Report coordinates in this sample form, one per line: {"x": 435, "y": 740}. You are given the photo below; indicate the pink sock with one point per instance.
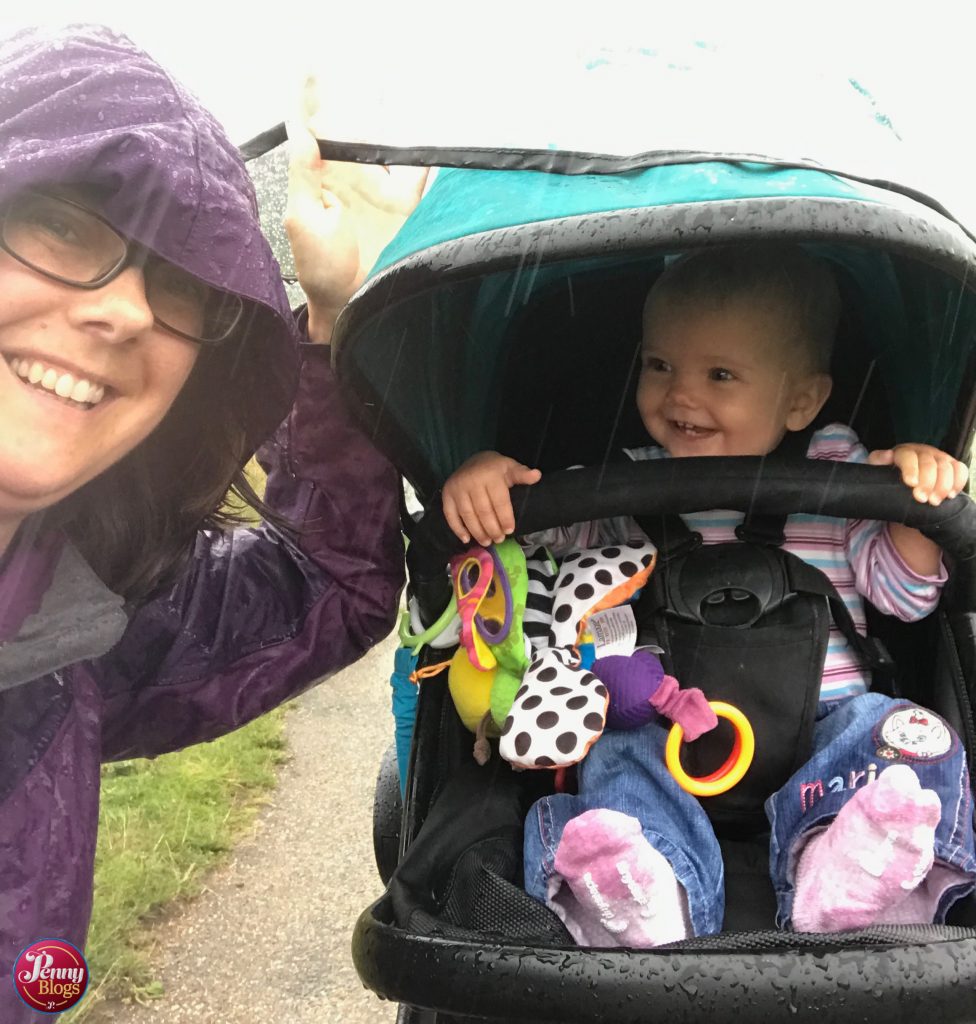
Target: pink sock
{"x": 871, "y": 858}
{"x": 612, "y": 888}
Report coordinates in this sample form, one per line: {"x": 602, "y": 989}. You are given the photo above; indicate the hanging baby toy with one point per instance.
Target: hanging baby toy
{"x": 550, "y": 700}
{"x": 490, "y": 587}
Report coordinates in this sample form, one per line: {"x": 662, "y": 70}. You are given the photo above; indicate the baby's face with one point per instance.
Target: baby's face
{"x": 722, "y": 381}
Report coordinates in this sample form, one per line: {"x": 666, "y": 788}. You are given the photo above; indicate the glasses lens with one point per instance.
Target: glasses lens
{"x": 190, "y": 306}
{"x": 59, "y": 238}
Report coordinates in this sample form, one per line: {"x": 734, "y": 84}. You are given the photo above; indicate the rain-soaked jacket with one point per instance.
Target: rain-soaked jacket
{"x": 255, "y": 618}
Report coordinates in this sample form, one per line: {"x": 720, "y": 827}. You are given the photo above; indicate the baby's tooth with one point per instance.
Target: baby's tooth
{"x": 64, "y": 386}
{"x": 49, "y": 379}
{"x": 96, "y": 394}
{"x": 79, "y": 393}
{"x": 35, "y": 374}
{"x": 22, "y": 368}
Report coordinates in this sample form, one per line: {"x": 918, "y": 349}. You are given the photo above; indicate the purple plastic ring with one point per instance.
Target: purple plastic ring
{"x": 490, "y": 630}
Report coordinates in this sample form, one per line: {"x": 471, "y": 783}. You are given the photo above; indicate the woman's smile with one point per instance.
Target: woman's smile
{"x": 86, "y": 376}
{"x": 49, "y": 380}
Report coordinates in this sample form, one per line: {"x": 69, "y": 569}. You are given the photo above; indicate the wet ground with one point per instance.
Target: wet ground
{"x": 269, "y": 939}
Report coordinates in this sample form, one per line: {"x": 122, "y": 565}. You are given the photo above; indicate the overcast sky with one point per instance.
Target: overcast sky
{"x": 247, "y": 68}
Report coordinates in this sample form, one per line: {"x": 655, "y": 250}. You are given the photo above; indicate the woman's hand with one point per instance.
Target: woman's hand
{"x": 339, "y": 218}
{"x": 932, "y": 474}
{"x": 476, "y": 499}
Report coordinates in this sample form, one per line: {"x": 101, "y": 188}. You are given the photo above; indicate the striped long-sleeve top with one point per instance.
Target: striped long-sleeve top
{"x": 857, "y": 556}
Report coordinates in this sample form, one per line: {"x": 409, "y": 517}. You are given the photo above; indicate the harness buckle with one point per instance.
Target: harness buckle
{"x": 730, "y": 585}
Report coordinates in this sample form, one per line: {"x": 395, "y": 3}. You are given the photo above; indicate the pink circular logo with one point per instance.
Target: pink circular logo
{"x": 51, "y": 975}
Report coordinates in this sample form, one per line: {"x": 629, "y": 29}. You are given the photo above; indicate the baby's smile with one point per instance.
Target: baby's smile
{"x": 691, "y": 430}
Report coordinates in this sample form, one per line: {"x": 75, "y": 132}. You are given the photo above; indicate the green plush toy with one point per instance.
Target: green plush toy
{"x": 510, "y": 652}
{"x": 490, "y": 589}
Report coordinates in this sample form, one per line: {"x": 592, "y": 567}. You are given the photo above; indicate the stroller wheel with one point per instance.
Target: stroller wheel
{"x": 408, "y": 1015}
{"x": 387, "y": 811}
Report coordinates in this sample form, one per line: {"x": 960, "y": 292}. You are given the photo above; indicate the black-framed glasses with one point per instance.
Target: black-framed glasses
{"x": 68, "y": 242}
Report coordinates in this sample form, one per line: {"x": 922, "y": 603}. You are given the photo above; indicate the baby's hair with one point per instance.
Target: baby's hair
{"x": 780, "y": 276}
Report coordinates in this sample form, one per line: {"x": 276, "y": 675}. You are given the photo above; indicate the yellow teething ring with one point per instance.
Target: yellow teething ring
{"x": 735, "y": 766}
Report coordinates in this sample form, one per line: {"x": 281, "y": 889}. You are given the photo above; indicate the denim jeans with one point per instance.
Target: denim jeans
{"x": 625, "y": 771}
{"x": 853, "y": 743}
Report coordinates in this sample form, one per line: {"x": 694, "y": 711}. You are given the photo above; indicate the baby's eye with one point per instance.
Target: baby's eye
{"x": 655, "y": 365}
{"x": 721, "y": 374}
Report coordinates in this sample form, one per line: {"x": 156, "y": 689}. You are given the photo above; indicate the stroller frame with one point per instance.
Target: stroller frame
{"x": 891, "y": 973}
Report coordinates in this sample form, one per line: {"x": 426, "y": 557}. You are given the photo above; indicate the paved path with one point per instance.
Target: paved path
{"x": 269, "y": 939}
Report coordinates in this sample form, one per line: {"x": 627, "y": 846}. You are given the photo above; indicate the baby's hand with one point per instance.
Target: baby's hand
{"x": 476, "y": 499}
{"x": 932, "y": 474}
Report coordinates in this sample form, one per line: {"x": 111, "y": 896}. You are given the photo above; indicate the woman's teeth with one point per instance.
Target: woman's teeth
{"x": 60, "y": 383}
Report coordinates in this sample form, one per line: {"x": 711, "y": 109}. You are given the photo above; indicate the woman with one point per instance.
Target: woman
{"x": 147, "y": 349}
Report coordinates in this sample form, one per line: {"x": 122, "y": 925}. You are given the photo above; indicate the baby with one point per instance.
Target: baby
{"x": 735, "y": 355}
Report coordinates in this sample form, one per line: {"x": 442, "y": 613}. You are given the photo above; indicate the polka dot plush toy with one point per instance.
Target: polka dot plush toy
{"x": 560, "y": 710}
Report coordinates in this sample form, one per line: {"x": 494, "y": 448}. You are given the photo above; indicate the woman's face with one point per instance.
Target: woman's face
{"x": 85, "y": 376}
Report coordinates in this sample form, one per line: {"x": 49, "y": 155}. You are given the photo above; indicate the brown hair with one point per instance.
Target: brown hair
{"x": 137, "y": 522}
{"x": 780, "y": 276}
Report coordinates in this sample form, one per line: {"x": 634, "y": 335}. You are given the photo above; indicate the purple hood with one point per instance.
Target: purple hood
{"x": 85, "y": 105}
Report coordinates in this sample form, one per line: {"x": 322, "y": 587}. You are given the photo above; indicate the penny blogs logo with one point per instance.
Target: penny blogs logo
{"x": 51, "y": 975}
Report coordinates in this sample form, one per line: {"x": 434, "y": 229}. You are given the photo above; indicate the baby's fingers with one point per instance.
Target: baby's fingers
{"x": 951, "y": 477}
{"x": 961, "y": 477}
{"x": 501, "y": 503}
{"x": 492, "y": 506}
{"x": 453, "y": 517}
{"x": 929, "y": 477}
{"x": 473, "y": 511}
{"x": 937, "y": 476}
{"x": 907, "y": 460}
{"x": 881, "y": 457}
{"x": 945, "y": 479}
{"x": 519, "y": 474}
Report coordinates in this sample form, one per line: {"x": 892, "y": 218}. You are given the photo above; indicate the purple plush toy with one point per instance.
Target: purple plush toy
{"x": 640, "y": 689}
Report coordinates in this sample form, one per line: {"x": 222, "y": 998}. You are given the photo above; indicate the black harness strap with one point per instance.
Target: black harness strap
{"x": 673, "y": 538}
{"x": 806, "y": 578}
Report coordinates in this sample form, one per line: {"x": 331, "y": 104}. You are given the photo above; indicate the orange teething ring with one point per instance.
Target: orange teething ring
{"x": 735, "y": 766}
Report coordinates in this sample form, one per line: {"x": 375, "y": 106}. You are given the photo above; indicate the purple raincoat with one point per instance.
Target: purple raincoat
{"x": 255, "y": 618}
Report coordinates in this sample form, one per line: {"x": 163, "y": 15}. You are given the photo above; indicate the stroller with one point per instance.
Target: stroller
{"x": 506, "y": 315}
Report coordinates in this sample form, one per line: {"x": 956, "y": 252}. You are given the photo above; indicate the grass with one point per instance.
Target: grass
{"x": 163, "y": 824}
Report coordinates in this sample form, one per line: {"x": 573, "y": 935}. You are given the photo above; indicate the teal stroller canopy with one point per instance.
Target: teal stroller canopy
{"x": 530, "y": 262}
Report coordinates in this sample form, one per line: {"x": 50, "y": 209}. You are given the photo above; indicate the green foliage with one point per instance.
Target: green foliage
{"x": 163, "y": 824}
